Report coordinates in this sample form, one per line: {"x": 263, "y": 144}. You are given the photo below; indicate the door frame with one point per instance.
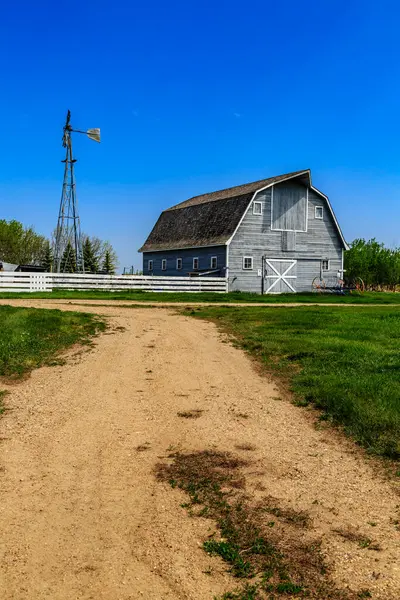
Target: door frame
{"x": 277, "y": 276}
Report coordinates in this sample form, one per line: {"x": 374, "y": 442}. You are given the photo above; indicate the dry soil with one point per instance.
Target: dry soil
{"x": 81, "y": 513}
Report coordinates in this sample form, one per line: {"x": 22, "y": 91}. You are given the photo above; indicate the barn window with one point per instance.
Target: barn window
{"x": 247, "y": 262}
{"x": 150, "y": 265}
{"x": 195, "y": 264}
{"x": 319, "y": 212}
{"x": 164, "y": 264}
{"x": 257, "y": 208}
{"x": 289, "y": 208}
{"x": 179, "y": 264}
{"x": 325, "y": 265}
{"x": 213, "y": 262}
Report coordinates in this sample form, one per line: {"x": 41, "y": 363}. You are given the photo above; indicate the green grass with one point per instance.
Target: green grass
{"x": 343, "y": 360}
{"x": 138, "y": 295}
{"x": 30, "y": 338}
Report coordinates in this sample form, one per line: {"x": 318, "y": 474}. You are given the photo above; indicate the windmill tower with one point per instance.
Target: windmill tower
{"x": 68, "y": 255}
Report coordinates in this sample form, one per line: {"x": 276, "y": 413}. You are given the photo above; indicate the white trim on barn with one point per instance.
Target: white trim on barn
{"x": 261, "y": 189}
{"x": 321, "y": 214}
{"x": 280, "y": 276}
{"x": 314, "y": 189}
{"x": 244, "y": 263}
{"x": 260, "y": 204}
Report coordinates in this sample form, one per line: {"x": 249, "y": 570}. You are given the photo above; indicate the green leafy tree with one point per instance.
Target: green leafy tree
{"x": 89, "y": 257}
{"x": 21, "y": 245}
{"x": 99, "y": 249}
{"x": 68, "y": 261}
{"x": 109, "y": 265}
{"x": 378, "y": 266}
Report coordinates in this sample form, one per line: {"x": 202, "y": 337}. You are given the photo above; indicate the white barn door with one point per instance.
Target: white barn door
{"x": 280, "y": 275}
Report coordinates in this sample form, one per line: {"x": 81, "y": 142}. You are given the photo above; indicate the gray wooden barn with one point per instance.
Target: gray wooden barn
{"x": 271, "y": 236}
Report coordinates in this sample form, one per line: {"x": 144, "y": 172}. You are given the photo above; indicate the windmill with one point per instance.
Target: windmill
{"x": 68, "y": 255}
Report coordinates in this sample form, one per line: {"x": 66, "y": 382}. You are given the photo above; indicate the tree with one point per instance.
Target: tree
{"x": 89, "y": 258}
{"x": 109, "y": 265}
{"x": 68, "y": 262}
{"x": 48, "y": 258}
{"x": 99, "y": 249}
{"x": 378, "y": 267}
{"x": 21, "y": 245}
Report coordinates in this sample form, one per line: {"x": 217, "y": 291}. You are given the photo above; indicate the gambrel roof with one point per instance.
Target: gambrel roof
{"x": 212, "y": 219}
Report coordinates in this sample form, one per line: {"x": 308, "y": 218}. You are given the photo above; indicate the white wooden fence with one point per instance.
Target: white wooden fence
{"x": 46, "y": 282}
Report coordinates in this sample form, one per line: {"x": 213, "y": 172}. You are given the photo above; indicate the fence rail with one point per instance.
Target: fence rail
{"x": 46, "y": 282}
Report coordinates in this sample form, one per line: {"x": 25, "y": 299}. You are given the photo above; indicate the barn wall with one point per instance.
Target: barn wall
{"x": 203, "y": 254}
{"x": 256, "y": 238}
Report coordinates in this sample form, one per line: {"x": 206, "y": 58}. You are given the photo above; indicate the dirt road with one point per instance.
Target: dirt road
{"x": 81, "y": 514}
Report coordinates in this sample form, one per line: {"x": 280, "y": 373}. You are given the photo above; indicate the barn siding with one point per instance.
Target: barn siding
{"x": 203, "y": 254}
{"x": 255, "y": 237}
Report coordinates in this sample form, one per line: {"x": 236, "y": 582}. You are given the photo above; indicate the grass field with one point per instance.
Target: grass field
{"x": 30, "y": 338}
{"x": 232, "y": 297}
{"x": 343, "y": 360}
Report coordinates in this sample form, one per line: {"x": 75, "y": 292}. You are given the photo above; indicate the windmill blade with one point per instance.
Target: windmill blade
{"x": 94, "y": 134}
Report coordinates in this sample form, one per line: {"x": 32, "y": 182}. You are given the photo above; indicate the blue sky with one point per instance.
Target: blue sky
{"x": 197, "y": 95}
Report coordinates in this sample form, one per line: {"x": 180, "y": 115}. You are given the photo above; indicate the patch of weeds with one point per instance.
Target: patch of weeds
{"x": 286, "y": 587}
{"x": 364, "y": 594}
{"x": 249, "y": 592}
{"x": 271, "y": 561}
{"x": 297, "y": 518}
{"x": 195, "y": 413}
{"x": 230, "y": 553}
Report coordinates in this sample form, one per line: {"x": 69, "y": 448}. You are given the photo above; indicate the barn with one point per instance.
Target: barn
{"x": 270, "y": 236}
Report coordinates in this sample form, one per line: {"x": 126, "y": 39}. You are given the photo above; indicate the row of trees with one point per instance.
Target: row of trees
{"x": 23, "y": 246}
{"x": 378, "y": 266}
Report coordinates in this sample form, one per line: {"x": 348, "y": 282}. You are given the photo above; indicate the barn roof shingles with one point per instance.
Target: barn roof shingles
{"x": 208, "y": 219}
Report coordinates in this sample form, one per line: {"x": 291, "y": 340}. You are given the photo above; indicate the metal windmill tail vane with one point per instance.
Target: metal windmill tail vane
{"x": 68, "y": 253}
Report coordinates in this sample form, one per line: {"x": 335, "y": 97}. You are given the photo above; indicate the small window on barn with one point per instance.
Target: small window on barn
{"x": 319, "y": 212}
{"x": 164, "y": 264}
{"x": 325, "y": 265}
{"x": 195, "y": 264}
{"x": 257, "y": 208}
{"x": 214, "y": 262}
{"x": 247, "y": 262}
{"x": 150, "y": 265}
{"x": 179, "y": 264}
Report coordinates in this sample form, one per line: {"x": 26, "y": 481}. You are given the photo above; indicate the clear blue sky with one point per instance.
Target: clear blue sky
{"x": 197, "y": 95}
